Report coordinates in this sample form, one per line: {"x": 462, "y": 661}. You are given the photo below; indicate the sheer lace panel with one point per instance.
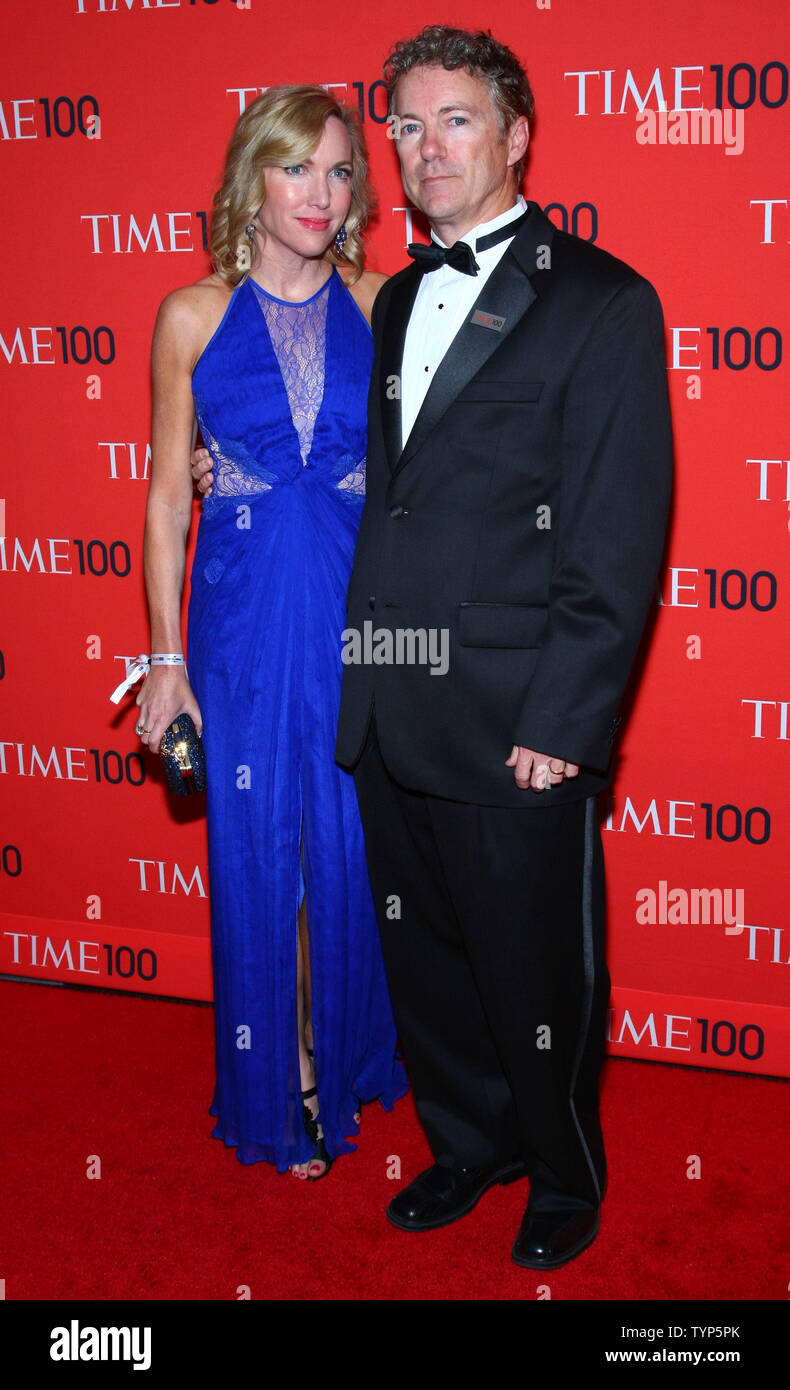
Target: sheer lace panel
{"x": 230, "y": 477}
{"x": 351, "y": 475}
{"x": 298, "y": 334}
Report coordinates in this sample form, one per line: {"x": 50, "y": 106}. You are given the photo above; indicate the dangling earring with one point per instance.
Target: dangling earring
{"x": 250, "y": 230}
{"x": 340, "y": 240}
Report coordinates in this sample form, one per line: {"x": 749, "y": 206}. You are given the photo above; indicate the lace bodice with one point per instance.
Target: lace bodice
{"x": 260, "y": 385}
{"x": 298, "y": 334}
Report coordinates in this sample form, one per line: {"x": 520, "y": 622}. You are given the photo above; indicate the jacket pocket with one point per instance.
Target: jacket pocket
{"x": 501, "y": 624}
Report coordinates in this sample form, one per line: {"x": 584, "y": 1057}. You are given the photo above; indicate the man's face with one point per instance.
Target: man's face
{"x": 455, "y": 162}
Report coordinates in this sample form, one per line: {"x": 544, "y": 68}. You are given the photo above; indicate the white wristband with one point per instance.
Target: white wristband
{"x": 139, "y": 666}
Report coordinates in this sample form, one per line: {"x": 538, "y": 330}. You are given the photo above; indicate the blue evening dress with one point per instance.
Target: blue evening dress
{"x": 280, "y": 395}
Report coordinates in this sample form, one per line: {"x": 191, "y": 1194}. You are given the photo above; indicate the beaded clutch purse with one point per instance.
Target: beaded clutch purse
{"x": 184, "y": 757}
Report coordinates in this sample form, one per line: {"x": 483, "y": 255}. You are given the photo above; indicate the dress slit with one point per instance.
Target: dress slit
{"x": 309, "y": 962}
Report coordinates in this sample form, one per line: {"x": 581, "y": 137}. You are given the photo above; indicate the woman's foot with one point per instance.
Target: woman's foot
{"x": 317, "y": 1166}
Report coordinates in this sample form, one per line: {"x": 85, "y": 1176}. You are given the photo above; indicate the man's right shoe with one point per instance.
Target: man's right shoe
{"x": 546, "y": 1242}
{"x": 441, "y": 1195}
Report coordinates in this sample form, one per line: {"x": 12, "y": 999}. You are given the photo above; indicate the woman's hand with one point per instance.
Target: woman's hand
{"x": 164, "y": 694}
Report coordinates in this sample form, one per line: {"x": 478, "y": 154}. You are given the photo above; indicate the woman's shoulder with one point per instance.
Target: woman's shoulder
{"x": 365, "y": 289}
{"x": 192, "y": 305}
{"x": 188, "y": 316}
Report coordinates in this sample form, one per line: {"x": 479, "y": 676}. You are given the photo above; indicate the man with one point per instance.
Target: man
{"x": 518, "y": 481}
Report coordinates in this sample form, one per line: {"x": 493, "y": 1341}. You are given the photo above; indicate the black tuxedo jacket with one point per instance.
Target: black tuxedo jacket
{"x": 525, "y": 516}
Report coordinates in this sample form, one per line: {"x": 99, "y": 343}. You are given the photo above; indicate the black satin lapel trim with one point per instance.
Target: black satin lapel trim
{"x": 393, "y": 338}
{"x": 507, "y": 292}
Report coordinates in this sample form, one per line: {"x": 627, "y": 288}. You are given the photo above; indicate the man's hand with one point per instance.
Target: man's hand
{"x": 539, "y": 770}
{"x": 201, "y": 463}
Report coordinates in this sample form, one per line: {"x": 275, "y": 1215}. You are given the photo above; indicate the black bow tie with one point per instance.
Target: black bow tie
{"x": 460, "y": 255}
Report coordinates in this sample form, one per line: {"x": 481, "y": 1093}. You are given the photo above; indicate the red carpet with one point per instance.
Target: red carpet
{"x": 175, "y": 1216}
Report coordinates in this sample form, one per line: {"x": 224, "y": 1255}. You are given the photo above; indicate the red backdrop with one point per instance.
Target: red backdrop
{"x": 103, "y": 875}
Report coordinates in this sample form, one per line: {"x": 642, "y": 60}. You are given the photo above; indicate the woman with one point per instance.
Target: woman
{"x": 272, "y": 355}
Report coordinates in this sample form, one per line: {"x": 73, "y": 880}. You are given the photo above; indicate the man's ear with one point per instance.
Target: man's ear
{"x": 518, "y": 139}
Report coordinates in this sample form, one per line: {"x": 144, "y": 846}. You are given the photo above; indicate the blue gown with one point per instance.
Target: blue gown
{"x": 280, "y": 395}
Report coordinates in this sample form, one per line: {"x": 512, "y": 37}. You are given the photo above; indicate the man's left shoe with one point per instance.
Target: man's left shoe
{"x": 441, "y": 1195}
{"x": 546, "y": 1242}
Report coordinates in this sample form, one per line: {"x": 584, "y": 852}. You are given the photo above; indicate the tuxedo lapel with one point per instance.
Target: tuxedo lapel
{"x": 508, "y": 293}
{"x": 393, "y": 339}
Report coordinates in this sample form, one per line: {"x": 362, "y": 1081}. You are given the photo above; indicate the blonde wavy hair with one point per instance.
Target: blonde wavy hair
{"x": 283, "y": 127}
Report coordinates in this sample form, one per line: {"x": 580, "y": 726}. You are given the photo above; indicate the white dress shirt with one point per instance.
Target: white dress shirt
{"x": 443, "y": 302}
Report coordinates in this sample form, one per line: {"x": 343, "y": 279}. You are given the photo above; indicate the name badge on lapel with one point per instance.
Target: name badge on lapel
{"x": 495, "y": 321}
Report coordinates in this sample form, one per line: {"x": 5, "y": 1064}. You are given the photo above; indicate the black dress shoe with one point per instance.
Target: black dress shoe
{"x": 441, "y": 1195}
{"x": 546, "y": 1242}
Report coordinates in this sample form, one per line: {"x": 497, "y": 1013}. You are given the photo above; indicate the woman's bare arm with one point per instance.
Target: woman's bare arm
{"x": 177, "y": 339}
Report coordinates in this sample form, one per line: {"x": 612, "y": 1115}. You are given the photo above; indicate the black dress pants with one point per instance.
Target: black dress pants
{"x": 492, "y": 924}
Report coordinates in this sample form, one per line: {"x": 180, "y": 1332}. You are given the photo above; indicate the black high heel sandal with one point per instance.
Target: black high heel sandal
{"x": 311, "y": 1093}
{"x": 311, "y": 1126}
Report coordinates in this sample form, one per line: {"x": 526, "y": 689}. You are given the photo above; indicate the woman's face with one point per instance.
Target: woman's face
{"x": 306, "y": 204}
